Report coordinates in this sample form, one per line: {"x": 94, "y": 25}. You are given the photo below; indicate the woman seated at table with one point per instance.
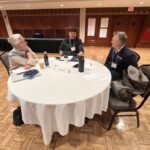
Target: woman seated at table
{"x": 21, "y": 54}
{"x": 71, "y": 45}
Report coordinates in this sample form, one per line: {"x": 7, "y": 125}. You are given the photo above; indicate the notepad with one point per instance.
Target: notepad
{"x": 25, "y": 75}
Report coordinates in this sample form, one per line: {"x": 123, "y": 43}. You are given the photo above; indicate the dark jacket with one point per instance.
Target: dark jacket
{"x": 67, "y": 44}
{"x": 123, "y": 59}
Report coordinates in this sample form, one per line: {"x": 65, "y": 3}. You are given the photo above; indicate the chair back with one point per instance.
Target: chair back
{"x": 146, "y": 70}
{"x": 145, "y": 96}
{"x": 136, "y": 55}
{"x": 5, "y": 60}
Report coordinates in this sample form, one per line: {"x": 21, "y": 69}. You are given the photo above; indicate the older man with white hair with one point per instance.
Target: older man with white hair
{"x": 21, "y": 54}
{"x": 120, "y": 56}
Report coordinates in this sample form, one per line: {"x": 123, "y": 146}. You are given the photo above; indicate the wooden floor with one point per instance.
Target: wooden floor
{"x": 92, "y": 136}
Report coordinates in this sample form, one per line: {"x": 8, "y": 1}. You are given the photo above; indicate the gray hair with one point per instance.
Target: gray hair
{"x": 122, "y": 36}
{"x": 15, "y": 39}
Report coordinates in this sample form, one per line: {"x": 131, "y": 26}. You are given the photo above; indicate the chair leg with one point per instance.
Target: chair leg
{"x": 53, "y": 142}
{"x": 137, "y": 116}
{"x": 86, "y": 120}
{"x": 112, "y": 120}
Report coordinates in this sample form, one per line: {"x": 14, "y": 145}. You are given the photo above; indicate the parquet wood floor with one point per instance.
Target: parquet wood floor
{"x": 92, "y": 136}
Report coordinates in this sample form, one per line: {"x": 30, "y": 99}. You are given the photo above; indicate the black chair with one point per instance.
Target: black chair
{"x": 146, "y": 70}
{"x": 5, "y": 60}
{"x": 137, "y": 55}
{"x": 118, "y": 106}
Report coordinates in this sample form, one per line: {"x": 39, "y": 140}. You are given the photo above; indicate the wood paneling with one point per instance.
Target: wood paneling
{"x": 52, "y": 23}
{"x": 96, "y": 40}
{"x": 130, "y": 24}
{"x": 3, "y": 31}
{"x": 118, "y": 11}
{"x": 137, "y": 28}
{"x": 44, "y": 12}
{"x": 58, "y": 24}
{"x": 144, "y": 35}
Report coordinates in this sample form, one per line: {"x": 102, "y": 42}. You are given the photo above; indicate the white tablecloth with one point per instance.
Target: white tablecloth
{"x": 62, "y": 96}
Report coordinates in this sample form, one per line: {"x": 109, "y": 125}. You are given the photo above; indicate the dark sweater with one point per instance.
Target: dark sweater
{"x": 123, "y": 59}
{"x": 67, "y": 44}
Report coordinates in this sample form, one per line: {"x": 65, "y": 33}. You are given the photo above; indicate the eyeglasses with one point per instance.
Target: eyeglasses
{"x": 23, "y": 42}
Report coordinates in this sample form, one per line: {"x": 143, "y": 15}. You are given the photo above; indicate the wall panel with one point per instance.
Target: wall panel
{"x": 52, "y": 23}
{"x": 136, "y": 24}
{"x": 144, "y": 35}
{"x": 3, "y": 31}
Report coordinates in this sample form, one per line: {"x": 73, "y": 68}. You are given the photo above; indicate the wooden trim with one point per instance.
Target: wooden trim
{"x": 43, "y": 12}
{"x": 143, "y": 44}
{"x": 118, "y": 11}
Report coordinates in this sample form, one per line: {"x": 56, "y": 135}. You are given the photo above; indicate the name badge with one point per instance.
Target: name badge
{"x": 113, "y": 65}
{"x": 73, "y": 48}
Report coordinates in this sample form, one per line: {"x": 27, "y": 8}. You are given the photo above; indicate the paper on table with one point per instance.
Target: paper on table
{"x": 69, "y": 58}
{"x": 20, "y": 76}
{"x": 21, "y": 70}
{"x": 18, "y": 73}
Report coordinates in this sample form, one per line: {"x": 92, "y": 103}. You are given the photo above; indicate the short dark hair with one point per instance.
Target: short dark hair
{"x": 72, "y": 30}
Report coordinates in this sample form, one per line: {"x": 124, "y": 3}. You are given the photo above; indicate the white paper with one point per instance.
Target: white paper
{"x": 21, "y": 70}
{"x": 91, "y": 27}
{"x": 18, "y": 77}
{"x": 69, "y": 58}
{"x": 104, "y": 22}
{"x": 103, "y": 33}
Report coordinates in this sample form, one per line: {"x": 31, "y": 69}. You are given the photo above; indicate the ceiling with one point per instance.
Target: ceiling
{"x": 53, "y": 4}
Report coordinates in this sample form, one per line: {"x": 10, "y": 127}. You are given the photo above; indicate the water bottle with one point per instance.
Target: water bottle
{"x": 46, "y": 61}
{"x": 81, "y": 63}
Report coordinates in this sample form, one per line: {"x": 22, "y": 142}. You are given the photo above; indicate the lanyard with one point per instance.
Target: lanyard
{"x": 113, "y": 55}
{"x": 71, "y": 45}
{"x": 117, "y": 54}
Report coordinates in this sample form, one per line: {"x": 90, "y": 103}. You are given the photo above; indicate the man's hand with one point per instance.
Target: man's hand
{"x": 27, "y": 67}
{"x": 29, "y": 55}
{"x": 81, "y": 53}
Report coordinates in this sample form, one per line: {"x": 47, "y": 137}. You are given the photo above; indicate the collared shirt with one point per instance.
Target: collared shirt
{"x": 16, "y": 52}
{"x": 19, "y": 58}
{"x": 123, "y": 59}
{"x": 118, "y": 50}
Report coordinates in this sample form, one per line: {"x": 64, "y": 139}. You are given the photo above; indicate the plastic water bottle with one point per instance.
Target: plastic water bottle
{"x": 46, "y": 61}
{"x": 81, "y": 63}
{"x": 66, "y": 64}
{"x": 65, "y": 58}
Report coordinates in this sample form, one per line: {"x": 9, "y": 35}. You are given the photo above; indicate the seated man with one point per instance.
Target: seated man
{"x": 120, "y": 56}
{"x": 21, "y": 54}
{"x": 71, "y": 45}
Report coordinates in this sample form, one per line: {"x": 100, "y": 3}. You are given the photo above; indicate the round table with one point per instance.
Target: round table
{"x": 61, "y": 95}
